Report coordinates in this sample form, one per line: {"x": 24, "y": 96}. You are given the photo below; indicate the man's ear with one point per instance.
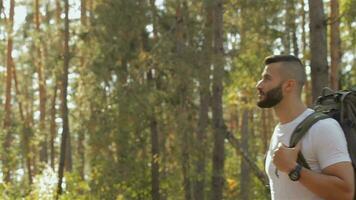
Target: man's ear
{"x": 289, "y": 85}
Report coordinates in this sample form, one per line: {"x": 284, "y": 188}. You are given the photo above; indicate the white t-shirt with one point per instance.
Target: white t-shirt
{"x": 323, "y": 145}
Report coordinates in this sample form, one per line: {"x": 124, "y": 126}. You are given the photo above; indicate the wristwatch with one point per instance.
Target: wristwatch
{"x": 294, "y": 175}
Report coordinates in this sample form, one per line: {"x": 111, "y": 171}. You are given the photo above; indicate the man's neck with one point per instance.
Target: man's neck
{"x": 287, "y": 111}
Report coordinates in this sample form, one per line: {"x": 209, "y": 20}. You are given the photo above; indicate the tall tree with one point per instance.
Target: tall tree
{"x": 335, "y": 44}
{"x": 293, "y": 25}
{"x": 182, "y": 87}
{"x": 318, "y": 47}
{"x": 204, "y": 96}
{"x": 217, "y": 109}
{"x": 245, "y": 172}
{"x": 53, "y": 125}
{"x": 26, "y": 129}
{"x": 287, "y": 26}
{"x": 303, "y": 23}
{"x": 290, "y": 36}
{"x": 56, "y": 88}
{"x": 7, "y": 118}
{"x": 303, "y": 13}
{"x": 42, "y": 86}
{"x": 155, "y": 151}
{"x": 65, "y": 142}
{"x": 155, "y": 159}
{"x": 83, "y": 61}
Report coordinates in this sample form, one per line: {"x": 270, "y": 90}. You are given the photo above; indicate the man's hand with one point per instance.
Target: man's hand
{"x": 284, "y": 158}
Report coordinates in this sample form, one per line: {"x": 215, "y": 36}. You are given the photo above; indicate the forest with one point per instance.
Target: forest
{"x": 154, "y": 99}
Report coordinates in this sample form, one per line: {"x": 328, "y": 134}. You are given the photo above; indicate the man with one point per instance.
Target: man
{"x": 324, "y": 146}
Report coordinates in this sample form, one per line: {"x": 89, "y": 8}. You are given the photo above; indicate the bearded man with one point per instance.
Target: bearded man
{"x": 324, "y": 146}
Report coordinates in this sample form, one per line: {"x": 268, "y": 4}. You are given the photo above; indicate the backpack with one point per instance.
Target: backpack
{"x": 339, "y": 105}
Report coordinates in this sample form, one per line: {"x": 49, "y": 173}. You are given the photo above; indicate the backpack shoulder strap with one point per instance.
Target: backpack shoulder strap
{"x": 301, "y": 130}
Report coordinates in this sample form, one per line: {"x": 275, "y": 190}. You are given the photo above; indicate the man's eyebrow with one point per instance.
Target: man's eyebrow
{"x": 266, "y": 75}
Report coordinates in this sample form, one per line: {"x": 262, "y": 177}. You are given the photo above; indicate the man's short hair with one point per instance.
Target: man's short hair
{"x": 282, "y": 58}
{"x": 292, "y": 67}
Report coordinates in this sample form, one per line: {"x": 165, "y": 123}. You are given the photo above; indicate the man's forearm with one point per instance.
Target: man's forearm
{"x": 326, "y": 186}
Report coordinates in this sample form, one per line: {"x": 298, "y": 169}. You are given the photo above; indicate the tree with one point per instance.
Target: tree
{"x": 26, "y": 129}
{"x": 155, "y": 160}
{"x": 53, "y": 126}
{"x": 83, "y": 64}
{"x": 8, "y": 117}
{"x": 318, "y": 47}
{"x": 56, "y": 87}
{"x": 204, "y": 100}
{"x": 217, "y": 109}
{"x": 308, "y": 94}
{"x": 42, "y": 86}
{"x": 183, "y": 88}
{"x": 245, "y": 172}
{"x": 65, "y": 141}
{"x": 149, "y": 83}
{"x": 155, "y": 150}
{"x": 335, "y": 44}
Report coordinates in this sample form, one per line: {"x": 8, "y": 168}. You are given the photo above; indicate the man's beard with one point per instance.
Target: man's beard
{"x": 271, "y": 98}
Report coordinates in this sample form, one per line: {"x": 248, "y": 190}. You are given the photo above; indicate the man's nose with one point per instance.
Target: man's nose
{"x": 258, "y": 85}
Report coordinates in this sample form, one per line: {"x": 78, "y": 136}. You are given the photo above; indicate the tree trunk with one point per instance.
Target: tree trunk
{"x": 68, "y": 162}
{"x": 204, "y": 96}
{"x": 290, "y": 27}
{"x": 183, "y": 111}
{"x": 155, "y": 152}
{"x": 64, "y": 108}
{"x": 81, "y": 134}
{"x": 83, "y": 12}
{"x": 304, "y": 37}
{"x": 335, "y": 44}
{"x": 245, "y": 172}
{"x": 7, "y": 120}
{"x": 293, "y": 26}
{"x": 308, "y": 98}
{"x": 318, "y": 47}
{"x": 58, "y": 12}
{"x": 122, "y": 139}
{"x": 53, "y": 126}
{"x": 91, "y": 9}
{"x": 1, "y": 7}
{"x": 26, "y": 130}
{"x": 217, "y": 109}
{"x": 287, "y": 27}
{"x": 154, "y": 19}
{"x": 155, "y": 160}
{"x": 42, "y": 87}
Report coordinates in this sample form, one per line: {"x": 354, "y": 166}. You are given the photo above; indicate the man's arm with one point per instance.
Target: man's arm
{"x": 335, "y": 181}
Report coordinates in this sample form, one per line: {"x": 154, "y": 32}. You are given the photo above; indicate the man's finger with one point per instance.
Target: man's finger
{"x": 280, "y": 144}
{"x": 298, "y": 147}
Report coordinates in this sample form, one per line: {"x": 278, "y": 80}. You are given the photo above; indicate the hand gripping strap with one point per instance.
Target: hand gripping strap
{"x": 301, "y": 130}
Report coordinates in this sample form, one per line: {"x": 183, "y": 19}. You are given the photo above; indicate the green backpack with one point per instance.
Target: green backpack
{"x": 339, "y": 105}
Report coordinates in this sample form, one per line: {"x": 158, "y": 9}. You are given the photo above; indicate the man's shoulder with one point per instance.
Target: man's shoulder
{"x": 325, "y": 126}
{"x": 328, "y": 122}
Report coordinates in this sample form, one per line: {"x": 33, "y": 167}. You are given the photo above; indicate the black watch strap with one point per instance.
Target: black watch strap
{"x": 294, "y": 175}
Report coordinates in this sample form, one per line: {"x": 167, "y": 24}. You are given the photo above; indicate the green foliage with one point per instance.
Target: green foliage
{"x": 348, "y": 34}
{"x": 133, "y": 63}
{"x": 44, "y": 185}
{"x": 348, "y": 11}
{"x": 76, "y": 188}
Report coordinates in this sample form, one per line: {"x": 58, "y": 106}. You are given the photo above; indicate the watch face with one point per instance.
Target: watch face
{"x": 294, "y": 176}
